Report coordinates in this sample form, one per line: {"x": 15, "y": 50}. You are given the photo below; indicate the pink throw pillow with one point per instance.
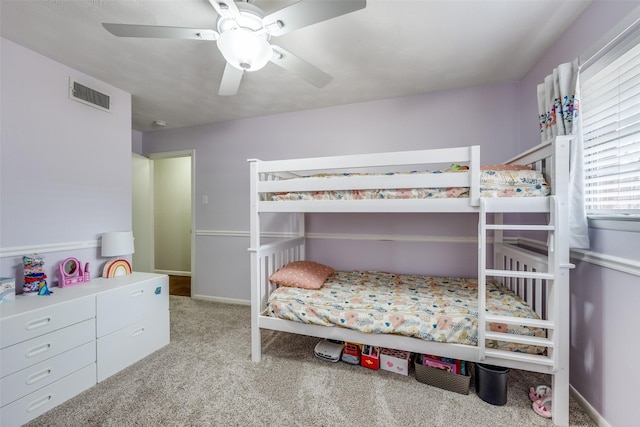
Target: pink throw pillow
{"x": 302, "y": 274}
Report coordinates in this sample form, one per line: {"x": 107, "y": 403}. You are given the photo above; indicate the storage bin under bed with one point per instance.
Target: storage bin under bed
{"x": 443, "y": 379}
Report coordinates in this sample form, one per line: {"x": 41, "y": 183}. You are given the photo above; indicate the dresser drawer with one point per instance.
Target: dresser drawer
{"x": 39, "y": 402}
{"x": 129, "y": 304}
{"x": 28, "y": 380}
{"x": 36, "y": 350}
{"x": 33, "y": 323}
{"x": 120, "y": 349}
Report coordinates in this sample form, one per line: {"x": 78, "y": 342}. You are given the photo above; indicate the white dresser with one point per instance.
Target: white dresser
{"x": 54, "y": 347}
{"x": 132, "y": 321}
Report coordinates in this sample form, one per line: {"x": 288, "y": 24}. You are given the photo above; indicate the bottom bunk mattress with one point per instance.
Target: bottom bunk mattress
{"x": 442, "y": 309}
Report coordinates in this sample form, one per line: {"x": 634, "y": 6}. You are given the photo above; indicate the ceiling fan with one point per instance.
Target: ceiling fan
{"x": 243, "y": 33}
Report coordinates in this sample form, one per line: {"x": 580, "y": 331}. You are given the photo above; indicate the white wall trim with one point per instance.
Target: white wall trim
{"x": 341, "y": 236}
{"x": 624, "y": 265}
{"x": 229, "y": 233}
{"x": 590, "y": 410}
{"x": 222, "y": 300}
{"x": 611, "y": 262}
{"x": 394, "y": 238}
{"x": 618, "y": 224}
{"x": 41, "y": 249}
{"x": 172, "y": 154}
{"x": 222, "y": 233}
{"x": 536, "y": 244}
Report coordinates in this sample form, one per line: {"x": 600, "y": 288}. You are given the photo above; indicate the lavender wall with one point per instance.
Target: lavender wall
{"x": 65, "y": 166}
{"x": 96, "y": 170}
{"x": 501, "y": 118}
{"x": 481, "y": 115}
{"x": 603, "y": 311}
{"x": 136, "y": 142}
{"x": 451, "y": 250}
{"x": 56, "y": 152}
{"x": 588, "y": 30}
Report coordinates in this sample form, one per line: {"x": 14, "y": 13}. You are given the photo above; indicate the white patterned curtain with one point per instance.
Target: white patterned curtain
{"x": 558, "y": 112}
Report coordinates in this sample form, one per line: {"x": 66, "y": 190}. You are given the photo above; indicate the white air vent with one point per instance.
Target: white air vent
{"x": 86, "y": 95}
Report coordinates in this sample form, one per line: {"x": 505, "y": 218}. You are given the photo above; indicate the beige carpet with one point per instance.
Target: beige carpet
{"x": 205, "y": 377}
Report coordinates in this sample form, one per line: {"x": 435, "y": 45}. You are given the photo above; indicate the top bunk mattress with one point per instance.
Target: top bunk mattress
{"x": 441, "y": 309}
{"x": 495, "y": 181}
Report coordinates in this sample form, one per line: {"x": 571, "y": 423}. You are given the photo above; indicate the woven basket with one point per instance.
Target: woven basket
{"x": 442, "y": 379}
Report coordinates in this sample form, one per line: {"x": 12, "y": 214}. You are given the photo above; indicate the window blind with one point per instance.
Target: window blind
{"x": 610, "y": 104}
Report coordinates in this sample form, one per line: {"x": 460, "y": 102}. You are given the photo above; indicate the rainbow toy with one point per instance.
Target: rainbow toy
{"x": 117, "y": 267}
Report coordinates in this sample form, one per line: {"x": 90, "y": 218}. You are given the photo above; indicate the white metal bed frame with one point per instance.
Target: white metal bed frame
{"x": 541, "y": 279}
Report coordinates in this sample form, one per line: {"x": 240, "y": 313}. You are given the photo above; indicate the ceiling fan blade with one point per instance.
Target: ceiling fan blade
{"x": 226, "y": 8}
{"x": 230, "y": 80}
{"x": 306, "y": 13}
{"x": 152, "y": 31}
{"x": 300, "y": 67}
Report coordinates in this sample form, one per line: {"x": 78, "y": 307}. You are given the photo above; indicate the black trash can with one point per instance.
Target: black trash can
{"x": 491, "y": 383}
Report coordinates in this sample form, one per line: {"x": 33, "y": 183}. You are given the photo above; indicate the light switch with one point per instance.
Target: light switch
{"x": 205, "y": 200}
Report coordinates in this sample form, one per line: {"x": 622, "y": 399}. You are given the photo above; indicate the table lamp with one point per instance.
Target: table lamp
{"x": 117, "y": 244}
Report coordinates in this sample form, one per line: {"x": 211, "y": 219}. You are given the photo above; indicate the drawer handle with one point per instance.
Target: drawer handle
{"x": 40, "y": 402}
{"x": 34, "y": 378}
{"x": 34, "y": 351}
{"x": 38, "y": 323}
{"x": 136, "y": 293}
{"x": 137, "y": 332}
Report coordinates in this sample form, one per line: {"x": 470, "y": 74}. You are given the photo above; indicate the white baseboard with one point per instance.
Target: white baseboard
{"x": 590, "y": 410}
{"x": 222, "y": 300}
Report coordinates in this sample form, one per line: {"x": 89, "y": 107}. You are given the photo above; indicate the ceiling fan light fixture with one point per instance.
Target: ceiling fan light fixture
{"x": 245, "y": 49}
{"x": 276, "y": 25}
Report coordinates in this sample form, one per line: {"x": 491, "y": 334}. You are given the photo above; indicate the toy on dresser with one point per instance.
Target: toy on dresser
{"x": 35, "y": 280}
{"x": 71, "y": 272}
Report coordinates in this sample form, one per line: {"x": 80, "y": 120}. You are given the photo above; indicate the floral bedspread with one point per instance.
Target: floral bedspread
{"x": 443, "y": 309}
{"x": 493, "y": 183}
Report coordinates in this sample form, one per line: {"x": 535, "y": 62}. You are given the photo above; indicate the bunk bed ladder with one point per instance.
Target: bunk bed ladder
{"x": 554, "y": 274}
{"x": 519, "y": 277}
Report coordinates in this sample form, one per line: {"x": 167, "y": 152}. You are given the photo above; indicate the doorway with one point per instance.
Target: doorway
{"x": 163, "y": 214}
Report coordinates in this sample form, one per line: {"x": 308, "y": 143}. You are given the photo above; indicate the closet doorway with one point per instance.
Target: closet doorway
{"x": 163, "y": 216}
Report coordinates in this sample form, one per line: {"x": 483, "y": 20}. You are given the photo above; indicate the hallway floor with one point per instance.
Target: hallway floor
{"x": 180, "y": 286}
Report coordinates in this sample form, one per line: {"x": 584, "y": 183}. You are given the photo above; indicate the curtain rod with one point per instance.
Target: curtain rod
{"x": 611, "y": 39}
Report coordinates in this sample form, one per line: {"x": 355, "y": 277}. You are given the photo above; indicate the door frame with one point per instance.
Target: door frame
{"x": 192, "y": 155}
{"x": 150, "y": 247}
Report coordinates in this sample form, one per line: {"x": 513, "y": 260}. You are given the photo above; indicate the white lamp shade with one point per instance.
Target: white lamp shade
{"x": 117, "y": 243}
{"x": 244, "y": 49}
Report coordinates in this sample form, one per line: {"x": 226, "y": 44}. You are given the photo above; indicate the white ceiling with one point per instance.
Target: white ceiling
{"x": 391, "y": 48}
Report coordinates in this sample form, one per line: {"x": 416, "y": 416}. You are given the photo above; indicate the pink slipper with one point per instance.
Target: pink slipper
{"x": 539, "y": 392}
{"x": 542, "y": 407}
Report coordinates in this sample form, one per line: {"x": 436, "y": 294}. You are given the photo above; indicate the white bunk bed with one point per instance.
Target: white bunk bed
{"x": 539, "y": 277}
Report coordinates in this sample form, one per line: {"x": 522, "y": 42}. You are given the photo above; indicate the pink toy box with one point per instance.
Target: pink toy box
{"x": 395, "y": 361}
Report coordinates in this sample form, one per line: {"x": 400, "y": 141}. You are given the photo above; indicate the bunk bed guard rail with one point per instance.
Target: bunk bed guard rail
{"x": 281, "y": 176}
